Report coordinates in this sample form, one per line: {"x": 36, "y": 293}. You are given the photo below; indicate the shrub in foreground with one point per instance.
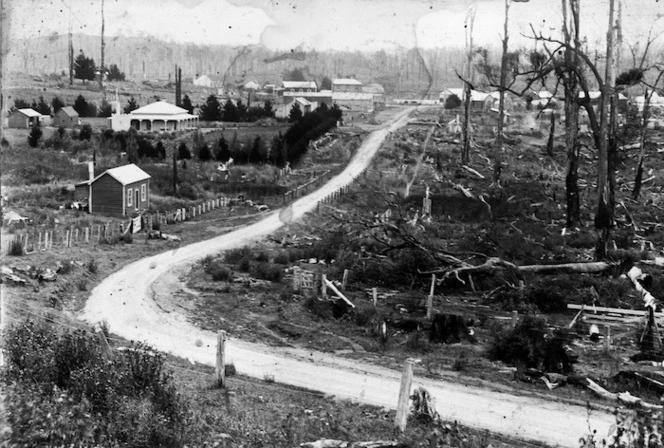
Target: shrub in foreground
{"x": 62, "y": 391}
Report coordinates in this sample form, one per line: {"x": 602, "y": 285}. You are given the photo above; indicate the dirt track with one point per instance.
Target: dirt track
{"x": 125, "y": 301}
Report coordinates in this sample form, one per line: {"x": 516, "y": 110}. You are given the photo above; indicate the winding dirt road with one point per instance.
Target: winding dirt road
{"x": 125, "y": 301}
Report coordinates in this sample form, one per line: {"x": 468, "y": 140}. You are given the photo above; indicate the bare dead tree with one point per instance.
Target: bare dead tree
{"x": 467, "y": 86}
{"x": 570, "y": 85}
{"x": 636, "y": 191}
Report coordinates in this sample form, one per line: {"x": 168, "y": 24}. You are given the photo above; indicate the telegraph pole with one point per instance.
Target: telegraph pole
{"x": 71, "y": 56}
{"x": 101, "y": 69}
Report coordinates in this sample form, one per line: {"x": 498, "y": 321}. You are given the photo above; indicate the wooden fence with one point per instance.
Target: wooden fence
{"x": 42, "y": 239}
{"x": 39, "y": 239}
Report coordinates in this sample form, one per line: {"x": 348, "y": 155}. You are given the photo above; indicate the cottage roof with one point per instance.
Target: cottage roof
{"x": 252, "y": 85}
{"x": 347, "y": 96}
{"x": 303, "y": 101}
{"x": 126, "y": 174}
{"x": 595, "y": 94}
{"x": 346, "y": 82}
{"x": 299, "y": 85}
{"x": 28, "y": 112}
{"x": 69, "y": 111}
{"x": 319, "y": 94}
{"x": 458, "y": 92}
{"x": 159, "y": 108}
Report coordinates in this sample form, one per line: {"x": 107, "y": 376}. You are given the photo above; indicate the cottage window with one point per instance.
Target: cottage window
{"x": 129, "y": 197}
{"x": 143, "y": 192}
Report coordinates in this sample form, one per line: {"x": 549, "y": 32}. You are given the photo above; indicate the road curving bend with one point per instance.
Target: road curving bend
{"x": 125, "y": 301}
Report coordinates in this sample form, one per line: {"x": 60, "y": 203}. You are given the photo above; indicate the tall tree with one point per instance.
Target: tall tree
{"x": 604, "y": 213}
{"x": 57, "y": 104}
{"x": 114, "y": 73}
{"x": 211, "y": 110}
{"x": 295, "y": 113}
{"x": 223, "y": 153}
{"x": 132, "y": 146}
{"x": 42, "y": 106}
{"x": 186, "y": 104}
{"x": 84, "y": 67}
{"x": 230, "y": 112}
{"x": 567, "y": 74}
{"x": 326, "y": 83}
{"x": 131, "y": 105}
{"x": 467, "y": 86}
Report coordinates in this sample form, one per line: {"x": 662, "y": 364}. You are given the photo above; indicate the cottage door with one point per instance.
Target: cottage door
{"x": 136, "y": 203}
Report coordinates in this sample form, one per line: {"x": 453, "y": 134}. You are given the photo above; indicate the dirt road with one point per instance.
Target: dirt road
{"x": 125, "y": 301}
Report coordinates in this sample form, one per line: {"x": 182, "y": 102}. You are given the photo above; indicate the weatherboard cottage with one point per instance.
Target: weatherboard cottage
{"x": 119, "y": 191}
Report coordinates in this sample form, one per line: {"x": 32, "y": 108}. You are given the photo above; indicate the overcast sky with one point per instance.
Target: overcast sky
{"x": 366, "y": 25}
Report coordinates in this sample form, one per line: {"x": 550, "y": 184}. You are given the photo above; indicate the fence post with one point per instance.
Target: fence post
{"x": 76, "y": 237}
{"x": 430, "y": 298}
{"x": 404, "y": 395}
{"x": 344, "y": 280}
{"x": 607, "y": 338}
{"x": 374, "y": 292}
{"x": 515, "y": 317}
{"x": 323, "y": 288}
{"x": 221, "y": 365}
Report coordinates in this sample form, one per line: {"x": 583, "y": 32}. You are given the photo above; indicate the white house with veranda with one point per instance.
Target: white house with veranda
{"x": 155, "y": 117}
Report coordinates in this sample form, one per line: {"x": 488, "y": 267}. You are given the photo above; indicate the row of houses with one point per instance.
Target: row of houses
{"x": 351, "y": 95}
{"x": 66, "y": 117}
{"x": 541, "y": 99}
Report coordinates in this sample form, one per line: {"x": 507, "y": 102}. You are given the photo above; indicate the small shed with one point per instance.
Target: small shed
{"x": 119, "y": 191}
{"x": 24, "y": 118}
{"x": 66, "y": 117}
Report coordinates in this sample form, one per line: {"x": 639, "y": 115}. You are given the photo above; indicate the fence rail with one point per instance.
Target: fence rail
{"x": 43, "y": 239}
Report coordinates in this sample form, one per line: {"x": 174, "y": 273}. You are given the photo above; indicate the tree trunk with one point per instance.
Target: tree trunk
{"x": 552, "y": 131}
{"x": 498, "y": 155}
{"x": 465, "y": 152}
{"x": 570, "y": 85}
{"x": 604, "y": 214}
{"x": 642, "y": 141}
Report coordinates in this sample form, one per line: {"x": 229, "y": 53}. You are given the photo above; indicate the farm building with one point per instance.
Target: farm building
{"x": 157, "y": 116}
{"x": 478, "y": 100}
{"x": 119, "y": 191}
{"x": 346, "y": 85}
{"x": 67, "y": 117}
{"x": 324, "y": 96}
{"x": 284, "y": 110}
{"x": 356, "y": 102}
{"x": 24, "y": 118}
{"x": 203, "y": 81}
{"x": 298, "y": 87}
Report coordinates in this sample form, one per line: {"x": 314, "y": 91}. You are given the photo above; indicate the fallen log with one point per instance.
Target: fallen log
{"x": 494, "y": 264}
{"x": 466, "y": 192}
{"x": 623, "y": 397}
{"x": 602, "y": 309}
{"x": 338, "y": 293}
{"x": 473, "y": 171}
